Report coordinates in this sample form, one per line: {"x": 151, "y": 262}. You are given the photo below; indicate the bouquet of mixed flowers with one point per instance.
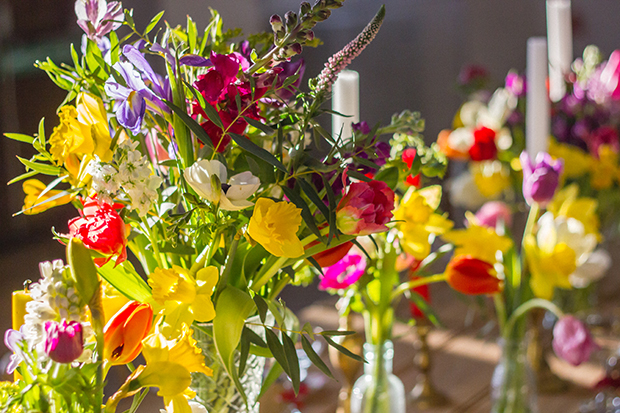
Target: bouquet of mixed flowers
{"x": 199, "y": 155}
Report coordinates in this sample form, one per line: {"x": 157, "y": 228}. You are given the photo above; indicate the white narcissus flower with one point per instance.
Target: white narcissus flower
{"x": 570, "y": 231}
{"x": 209, "y": 180}
{"x": 592, "y": 270}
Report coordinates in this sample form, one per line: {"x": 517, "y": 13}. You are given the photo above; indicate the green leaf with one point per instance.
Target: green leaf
{"x": 256, "y": 150}
{"x": 20, "y": 137}
{"x": 129, "y": 17}
{"x": 332, "y": 333}
{"x": 266, "y": 129}
{"x": 358, "y": 176}
{"x": 233, "y": 308}
{"x": 213, "y": 115}
{"x": 314, "y": 358}
{"x": 42, "y": 132}
{"x": 192, "y": 34}
{"x": 389, "y": 176}
{"x": 41, "y": 168}
{"x": 343, "y": 350}
{"x": 244, "y": 350}
{"x": 82, "y": 269}
{"x": 273, "y": 307}
{"x": 22, "y": 176}
{"x": 314, "y": 197}
{"x": 191, "y": 123}
{"x": 426, "y": 309}
{"x": 125, "y": 279}
{"x": 262, "y": 307}
{"x": 180, "y": 249}
{"x": 277, "y": 349}
{"x": 153, "y": 22}
{"x": 293, "y": 361}
{"x": 254, "y": 338}
{"x": 305, "y": 211}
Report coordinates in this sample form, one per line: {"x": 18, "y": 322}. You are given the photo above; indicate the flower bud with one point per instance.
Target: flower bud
{"x": 296, "y": 49}
{"x": 471, "y": 276}
{"x": 323, "y": 15}
{"x": 305, "y": 8}
{"x": 572, "y": 340}
{"x": 276, "y": 23}
{"x": 540, "y": 180}
{"x": 63, "y": 341}
{"x": 306, "y": 36}
{"x": 365, "y": 208}
{"x": 290, "y": 19}
{"x": 333, "y": 4}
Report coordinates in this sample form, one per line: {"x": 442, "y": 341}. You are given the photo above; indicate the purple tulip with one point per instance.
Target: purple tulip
{"x": 63, "y": 341}
{"x": 98, "y": 17}
{"x": 572, "y": 340}
{"x": 540, "y": 180}
{"x": 494, "y": 212}
{"x": 344, "y": 273}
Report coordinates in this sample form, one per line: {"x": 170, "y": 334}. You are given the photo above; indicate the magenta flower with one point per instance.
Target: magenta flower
{"x": 494, "y": 212}
{"x": 515, "y": 83}
{"x": 64, "y": 341}
{"x": 572, "y": 340}
{"x": 604, "y": 135}
{"x": 540, "y": 180}
{"x": 13, "y": 340}
{"x": 344, "y": 273}
{"x": 98, "y": 17}
{"x": 365, "y": 208}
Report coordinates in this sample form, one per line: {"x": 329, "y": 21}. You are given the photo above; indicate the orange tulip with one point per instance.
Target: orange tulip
{"x": 444, "y": 146}
{"x": 124, "y": 333}
{"x": 472, "y": 276}
{"x": 331, "y": 256}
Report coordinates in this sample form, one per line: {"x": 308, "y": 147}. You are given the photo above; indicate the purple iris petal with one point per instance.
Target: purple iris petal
{"x": 344, "y": 273}
{"x": 195, "y": 61}
{"x": 12, "y": 338}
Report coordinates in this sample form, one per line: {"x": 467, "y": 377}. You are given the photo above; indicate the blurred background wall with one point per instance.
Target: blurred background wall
{"x": 413, "y": 63}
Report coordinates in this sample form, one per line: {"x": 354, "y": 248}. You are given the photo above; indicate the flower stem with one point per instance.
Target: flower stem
{"x": 527, "y": 306}
{"x": 418, "y": 282}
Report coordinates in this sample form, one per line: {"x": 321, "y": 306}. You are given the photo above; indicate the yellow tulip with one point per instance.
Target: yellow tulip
{"x": 36, "y": 202}
{"x": 274, "y": 225}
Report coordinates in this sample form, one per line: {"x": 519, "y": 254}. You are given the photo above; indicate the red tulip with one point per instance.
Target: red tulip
{"x": 484, "y": 147}
{"x": 472, "y": 276}
{"x": 102, "y": 229}
{"x": 124, "y": 333}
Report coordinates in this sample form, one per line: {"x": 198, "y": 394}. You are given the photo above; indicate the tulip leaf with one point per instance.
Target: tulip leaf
{"x": 126, "y": 280}
{"x": 256, "y": 150}
{"x": 314, "y": 358}
{"x": 293, "y": 361}
{"x": 83, "y": 271}
{"x": 40, "y": 167}
{"x": 232, "y": 309}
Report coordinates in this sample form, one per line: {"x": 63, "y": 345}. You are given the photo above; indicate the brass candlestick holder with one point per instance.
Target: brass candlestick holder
{"x": 424, "y": 394}
{"x": 546, "y": 380}
{"x": 346, "y": 368}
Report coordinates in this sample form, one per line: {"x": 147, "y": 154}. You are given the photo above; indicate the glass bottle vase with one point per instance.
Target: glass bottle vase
{"x": 378, "y": 390}
{"x": 513, "y": 385}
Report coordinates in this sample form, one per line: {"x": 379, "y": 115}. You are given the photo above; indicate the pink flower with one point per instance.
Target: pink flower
{"x": 63, "y": 341}
{"x": 365, "y": 208}
{"x": 343, "y": 273}
{"x": 572, "y": 340}
{"x": 491, "y": 213}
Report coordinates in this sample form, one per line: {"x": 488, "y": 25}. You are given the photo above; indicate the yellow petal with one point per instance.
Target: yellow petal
{"x": 172, "y": 378}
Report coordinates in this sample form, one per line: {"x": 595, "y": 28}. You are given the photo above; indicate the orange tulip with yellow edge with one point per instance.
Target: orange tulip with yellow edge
{"x": 124, "y": 333}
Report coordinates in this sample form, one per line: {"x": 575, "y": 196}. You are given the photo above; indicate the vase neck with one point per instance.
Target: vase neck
{"x": 378, "y": 353}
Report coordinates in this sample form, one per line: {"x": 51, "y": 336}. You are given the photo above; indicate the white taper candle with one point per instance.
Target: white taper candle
{"x": 537, "y": 116}
{"x": 345, "y": 100}
{"x": 560, "y": 44}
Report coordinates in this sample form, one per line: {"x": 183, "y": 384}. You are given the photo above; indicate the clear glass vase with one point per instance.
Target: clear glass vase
{"x": 513, "y": 385}
{"x": 218, "y": 393}
{"x": 378, "y": 390}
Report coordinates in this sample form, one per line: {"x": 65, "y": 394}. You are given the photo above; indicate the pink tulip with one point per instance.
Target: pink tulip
{"x": 572, "y": 340}
{"x": 365, "y": 208}
{"x": 491, "y": 213}
{"x": 63, "y": 341}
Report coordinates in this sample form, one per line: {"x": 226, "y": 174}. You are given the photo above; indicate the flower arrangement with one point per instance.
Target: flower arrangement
{"x": 199, "y": 156}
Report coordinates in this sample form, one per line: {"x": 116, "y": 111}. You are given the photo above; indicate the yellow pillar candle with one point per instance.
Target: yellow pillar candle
{"x": 18, "y": 302}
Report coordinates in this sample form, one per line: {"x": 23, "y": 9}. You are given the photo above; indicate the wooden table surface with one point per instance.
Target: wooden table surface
{"x": 462, "y": 363}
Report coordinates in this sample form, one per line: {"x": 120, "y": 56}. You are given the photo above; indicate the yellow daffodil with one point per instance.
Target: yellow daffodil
{"x": 491, "y": 177}
{"x": 605, "y": 169}
{"x": 169, "y": 364}
{"x": 418, "y": 223}
{"x": 36, "y": 201}
{"x": 479, "y": 242}
{"x": 184, "y": 298}
{"x": 83, "y": 131}
{"x": 558, "y": 249}
{"x": 567, "y": 203}
{"x": 577, "y": 162}
{"x": 274, "y": 225}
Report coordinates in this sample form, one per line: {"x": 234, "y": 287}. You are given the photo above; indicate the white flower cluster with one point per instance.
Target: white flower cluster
{"x": 53, "y": 298}
{"x": 129, "y": 172}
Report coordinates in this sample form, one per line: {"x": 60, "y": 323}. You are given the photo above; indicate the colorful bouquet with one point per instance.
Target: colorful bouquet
{"x": 215, "y": 174}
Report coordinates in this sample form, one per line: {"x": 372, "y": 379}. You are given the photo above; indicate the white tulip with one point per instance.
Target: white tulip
{"x": 209, "y": 180}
